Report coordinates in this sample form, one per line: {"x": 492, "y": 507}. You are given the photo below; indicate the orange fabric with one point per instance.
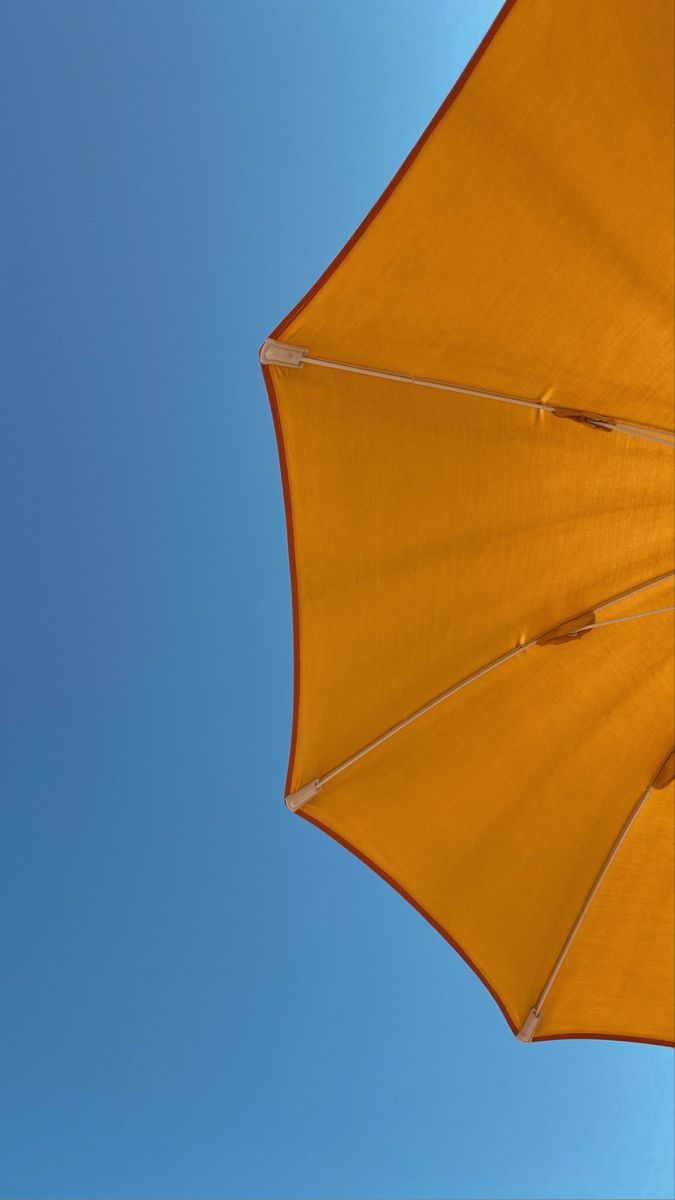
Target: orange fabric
{"x": 526, "y": 247}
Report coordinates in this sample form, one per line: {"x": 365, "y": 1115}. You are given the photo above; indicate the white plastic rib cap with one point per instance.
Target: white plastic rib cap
{"x": 279, "y": 354}
{"x": 529, "y": 1026}
{"x": 303, "y": 794}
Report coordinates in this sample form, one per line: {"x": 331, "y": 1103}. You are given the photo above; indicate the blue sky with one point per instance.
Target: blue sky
{"x": 201, "y": 995}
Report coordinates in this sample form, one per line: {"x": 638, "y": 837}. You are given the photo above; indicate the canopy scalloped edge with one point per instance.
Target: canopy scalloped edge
{"x": 269, "y": 384}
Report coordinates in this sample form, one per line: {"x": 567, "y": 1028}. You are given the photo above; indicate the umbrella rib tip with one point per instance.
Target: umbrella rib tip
{"x": 295, "y": 800}
{"x": 529, "y": 1026}
{"x": 281, "y": 354}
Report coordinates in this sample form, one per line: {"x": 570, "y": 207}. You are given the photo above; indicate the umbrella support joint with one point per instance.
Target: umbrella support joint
{"x": 529, "y": 1027}
{"x": 569, "y": 631}
{"x": 593, "y": 420}
{"x": 303, "y": 794}
{"x": 279, "y": 354}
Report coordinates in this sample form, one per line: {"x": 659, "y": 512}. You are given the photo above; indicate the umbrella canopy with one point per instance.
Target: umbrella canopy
{"x": 474, "y": 416}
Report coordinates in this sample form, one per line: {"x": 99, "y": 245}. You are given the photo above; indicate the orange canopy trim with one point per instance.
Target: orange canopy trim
{"x": 405, "y": 165}
{"x": 482, "y": 593}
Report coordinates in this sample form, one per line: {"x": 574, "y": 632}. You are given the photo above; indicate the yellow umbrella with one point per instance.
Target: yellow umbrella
{"x": 474, "y": 416}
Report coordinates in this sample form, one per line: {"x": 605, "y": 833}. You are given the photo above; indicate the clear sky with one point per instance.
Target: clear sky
{"x": 201, "y": 995}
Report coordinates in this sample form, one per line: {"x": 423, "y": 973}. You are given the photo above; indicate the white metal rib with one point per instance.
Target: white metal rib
{"x": 437, "y": 384}
{"x": 631, "y": 428}
{"x": 296, "y": 799}
{"x": 451, "y": 691}
{"x": 638, "y": 433}
{"x": 635, "y": 591}
{"x": 598, "y": 880}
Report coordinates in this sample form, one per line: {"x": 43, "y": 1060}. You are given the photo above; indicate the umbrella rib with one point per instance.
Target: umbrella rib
{"x": 601, "y": 421}
{"x": 283, "y": 354}
{"x": 296, "y": 799}
{"x": 534, "y": 1016}
{"x": 652, "y": 612}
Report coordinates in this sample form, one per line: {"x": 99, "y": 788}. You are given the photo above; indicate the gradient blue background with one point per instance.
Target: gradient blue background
{"x": 201, "y": 996}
